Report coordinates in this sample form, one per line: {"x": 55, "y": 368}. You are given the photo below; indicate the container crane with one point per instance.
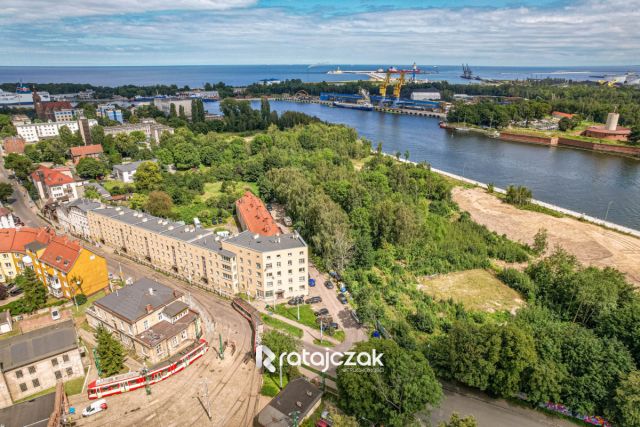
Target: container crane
{"x": 383, "y": 87}
{"x": 398, "y": 87}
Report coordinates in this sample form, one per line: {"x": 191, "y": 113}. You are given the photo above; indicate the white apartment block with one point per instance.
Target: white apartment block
{"x": 34, "y": 132}
{"x": 149, "y": 127}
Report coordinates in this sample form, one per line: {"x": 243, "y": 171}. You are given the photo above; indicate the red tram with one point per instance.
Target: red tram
{"x": 134, "y": 380}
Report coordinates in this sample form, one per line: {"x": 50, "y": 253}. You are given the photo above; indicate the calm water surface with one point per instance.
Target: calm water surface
{"x": 574, "y": 179}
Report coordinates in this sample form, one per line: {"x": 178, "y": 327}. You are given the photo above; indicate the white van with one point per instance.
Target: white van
{"x": 95, "y": 407}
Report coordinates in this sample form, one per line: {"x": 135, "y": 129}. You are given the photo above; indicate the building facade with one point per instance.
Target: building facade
{"x": 80, "y": 152}
{"x": 111, "y": 112}
{"x": 273, "y": 267}
{"x": 149, "y": 317}
{"x": 13, "y": 144}
{"x": 164, "y": 105}
{"x": 126, "y": 171}
{"x": 254, "y": 216}
{"x": 35, "y": 361}
{"x": 72, "y": 217}
{"x": 152, "y": 130}
{"x": 56, "y": 184}
{"x": 6, "y": 218}
{"x": 13, "y": 250}
{"x": 68, "y": 114}
{"x": 34, "y": 132}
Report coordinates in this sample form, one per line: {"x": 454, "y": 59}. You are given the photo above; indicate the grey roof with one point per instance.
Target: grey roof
{"x": 261, "y": 243}
{"x": 84, "y": 204}
{"x": 35, "y": 246}
{"x": 32, "y": 413}
{"x": 164, "y": 330}
{"x": 276, "y": 413}
{"x": 175, "y": 308}
{"x": 130, "y": 303}
{"x": 212, "y": 242}
{"x": 36, "y": 345}
{"x": 129, "y": 167}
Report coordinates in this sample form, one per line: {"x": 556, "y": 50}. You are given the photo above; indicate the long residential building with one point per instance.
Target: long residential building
{"x": 34, "y": 132}
{"x": 149, "y": 127}
{"x": 265, "y": 267}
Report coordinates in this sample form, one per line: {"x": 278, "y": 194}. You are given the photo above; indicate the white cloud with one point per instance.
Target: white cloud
{"x": 588, "y": 32}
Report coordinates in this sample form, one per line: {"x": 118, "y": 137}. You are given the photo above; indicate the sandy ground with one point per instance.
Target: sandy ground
{"x": 591, "y": 244}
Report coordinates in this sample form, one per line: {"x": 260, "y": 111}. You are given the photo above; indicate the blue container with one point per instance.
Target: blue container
{"x": 312, "y": 282}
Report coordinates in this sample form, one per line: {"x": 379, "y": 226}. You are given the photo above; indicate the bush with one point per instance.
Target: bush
{"x": 519, "y": 281}
{"x": 81, "y": 299}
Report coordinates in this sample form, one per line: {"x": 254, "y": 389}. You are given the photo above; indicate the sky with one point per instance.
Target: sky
{"x": 203, "y": 32}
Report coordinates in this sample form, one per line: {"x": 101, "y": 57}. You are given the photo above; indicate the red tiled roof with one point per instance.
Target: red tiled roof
{"x": 56, "y": 105}
{"x": 15, "y": 239}
{"x": 13, "y": 144}
{"x": 85, "y": 150}
{"x": 255, "y": 215}
{"x": 61, "y": 253}
{"x": 52, "y": 177}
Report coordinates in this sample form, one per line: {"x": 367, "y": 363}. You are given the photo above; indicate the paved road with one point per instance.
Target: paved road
{"x": 19, "y": 201}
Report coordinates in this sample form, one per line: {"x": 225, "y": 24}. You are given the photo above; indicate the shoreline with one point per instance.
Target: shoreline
{"x": 568, "y": 212}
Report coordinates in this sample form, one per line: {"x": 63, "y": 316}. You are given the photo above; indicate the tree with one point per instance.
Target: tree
{"x": 22, "y": 166}
{"x": 186, "y": 156}
{"x": 35, "y": 293}
{"x": 110, "y": 352}
{"x": 564, "y": 124}
{"x": 519, "y": 196}
{"x": 456, "y": 421}
{"x": 147, "y": 176}
{"x": 634, "y": 136}
{"x": 6, "y": 190}
{"x": 90, "y": 168}
{"x": 280, "y": 343}
{"x": 390, "y": 394}
{"x": 540, "y": 241}
{"x": 91, "y": 193}
{"x": 159, "y": 203}
{"x": 172, "y": 110}
{"x": 627, "y": 401}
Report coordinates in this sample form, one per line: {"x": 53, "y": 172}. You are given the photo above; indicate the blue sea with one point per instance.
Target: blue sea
{"x": 240, "y": 75}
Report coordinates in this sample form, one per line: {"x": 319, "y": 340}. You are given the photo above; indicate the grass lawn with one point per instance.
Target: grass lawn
{"x": 212, "y": 189}
{"x": 476, "y": 289}
{"x": 282, "y": 326}
{"x": 271, "y": 383}
{"x": 307, "y": 317}
{"x": 339, "y": 335}
{"x": 83, "y": 307}
{"x": 323, "y": 343}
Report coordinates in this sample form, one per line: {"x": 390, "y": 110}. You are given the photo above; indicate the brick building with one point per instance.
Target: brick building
{"x": 254, "y": 216}
{"x": 83, "y": 151}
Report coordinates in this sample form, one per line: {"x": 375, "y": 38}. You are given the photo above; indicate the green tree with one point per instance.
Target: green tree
{"x": 634, "y": 136}
{"x": 22, "y": 166}
{"x": 280, "y": 343}
{"x": 456, "y": 421}
{"x": 35, "y": 293}
{"x": 627, "y": 401}
{"x": 565, "y": 124}
{"x": 110, "y": 352}
{"x": 91, "y": 168}
{"x": 91, "y": 193}
{"x": 186, "y": 156}
{"x": 172, "y": 110}
{"x": 391, "y": 394}
{"x": 540, "y": 241}
{"x": 138, "y": 201}
{"x": 519, "y": 196}
{"x": 147, "y": 176}
{"x": 6, "y": 190}
{"x": 159, "y": 203}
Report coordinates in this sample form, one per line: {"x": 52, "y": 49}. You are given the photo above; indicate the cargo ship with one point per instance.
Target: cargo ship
{"x": 364, "y": 104}
{"x": 22, "y": 96}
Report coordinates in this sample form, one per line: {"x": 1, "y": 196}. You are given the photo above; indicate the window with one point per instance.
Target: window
{"x": 36, "y": 382}
{"x": 184, "y": 335}
{"x": 160, "y": 316}
{"x": 289, "y": 262}
{"x": 301, "y": 279}
{"x": 32, "y": 369}
{"x": 145, "y": 325}
{"x": 174, "y": 341}
{"x": 158, "y": 349}
{"x": 301, "y": 261}
{"x": 23, "y": 387}
{"x": 278, "y": 264}
{"x": 19, "y": 373}
{"x": 65, "y": 357}
{"x": 58, "y": 375}
{"x": 54, "y": 362}
{"x": 69, "y": 372}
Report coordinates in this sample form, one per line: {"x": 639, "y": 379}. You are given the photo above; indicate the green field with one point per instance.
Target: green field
{"x": 282, "y": 326}
{"x": 307, "y": 317}
{"x": 212, "y": 189}
{"x": 476, "y": 289}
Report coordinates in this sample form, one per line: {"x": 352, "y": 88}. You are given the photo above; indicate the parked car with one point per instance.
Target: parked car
{"x": 342, "y": 298}
{"x": 335, "y": 275}
{"x": 313, "y": 300}
{"x": 269, "y": 207}
{"x": 334, "y": 325}
{"x": 296, "y": 300}
{"x": 95, "y": 407}
{"x": 287, "y": 221}
{"x": 14, "y": 290}
{"x": 321, "y": 312}
{"x": 312, "y": 282}
{"x": 328, "y": 284}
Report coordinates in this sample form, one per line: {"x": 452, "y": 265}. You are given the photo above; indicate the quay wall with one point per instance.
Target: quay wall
{"x": 530, "y": 139}
{"x": 605, "y": 148}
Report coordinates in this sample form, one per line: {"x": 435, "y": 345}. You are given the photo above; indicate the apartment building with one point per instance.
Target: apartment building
{"x": 6, "y": 218}
{"x": 152, "y": 130}
{"x": 66, "y": 268}
{"x": 164, "y": 105}
{"x": 126, "y": 171}
{"x": 149, "y": 317}
{"x": 72, "y": 217}
{"x": 34, "y": 132}
{"x": 262, "y": 266}
{"x": 110, "y": 111}
{"x": 13, "y": 248}
{"x": 56, "y": 184}
{"x": 254, "y": 216}
{"x": 35, "y": 361}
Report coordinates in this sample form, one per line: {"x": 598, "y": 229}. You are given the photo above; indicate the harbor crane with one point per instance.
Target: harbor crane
{"x": 397, "y": 85}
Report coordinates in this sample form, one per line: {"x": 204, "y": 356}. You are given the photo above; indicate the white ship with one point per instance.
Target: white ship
{"x": 22, "y": 96}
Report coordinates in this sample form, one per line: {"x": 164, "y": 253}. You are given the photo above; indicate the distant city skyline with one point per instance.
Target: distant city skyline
{"x": 200, "y": 32}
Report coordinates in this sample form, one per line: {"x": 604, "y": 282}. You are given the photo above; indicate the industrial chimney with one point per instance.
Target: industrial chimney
{"x": 612, "y": 121}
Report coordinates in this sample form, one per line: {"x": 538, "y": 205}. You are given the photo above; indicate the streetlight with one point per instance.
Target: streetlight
{"x": 608, "y": 207}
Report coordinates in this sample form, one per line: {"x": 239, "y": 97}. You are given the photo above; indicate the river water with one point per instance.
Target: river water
{"x": 579, "y": 180}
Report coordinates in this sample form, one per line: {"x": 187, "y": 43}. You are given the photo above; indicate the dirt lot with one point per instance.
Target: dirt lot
{"x": 476, "y": 289}
{"x": 591, "y": 244}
